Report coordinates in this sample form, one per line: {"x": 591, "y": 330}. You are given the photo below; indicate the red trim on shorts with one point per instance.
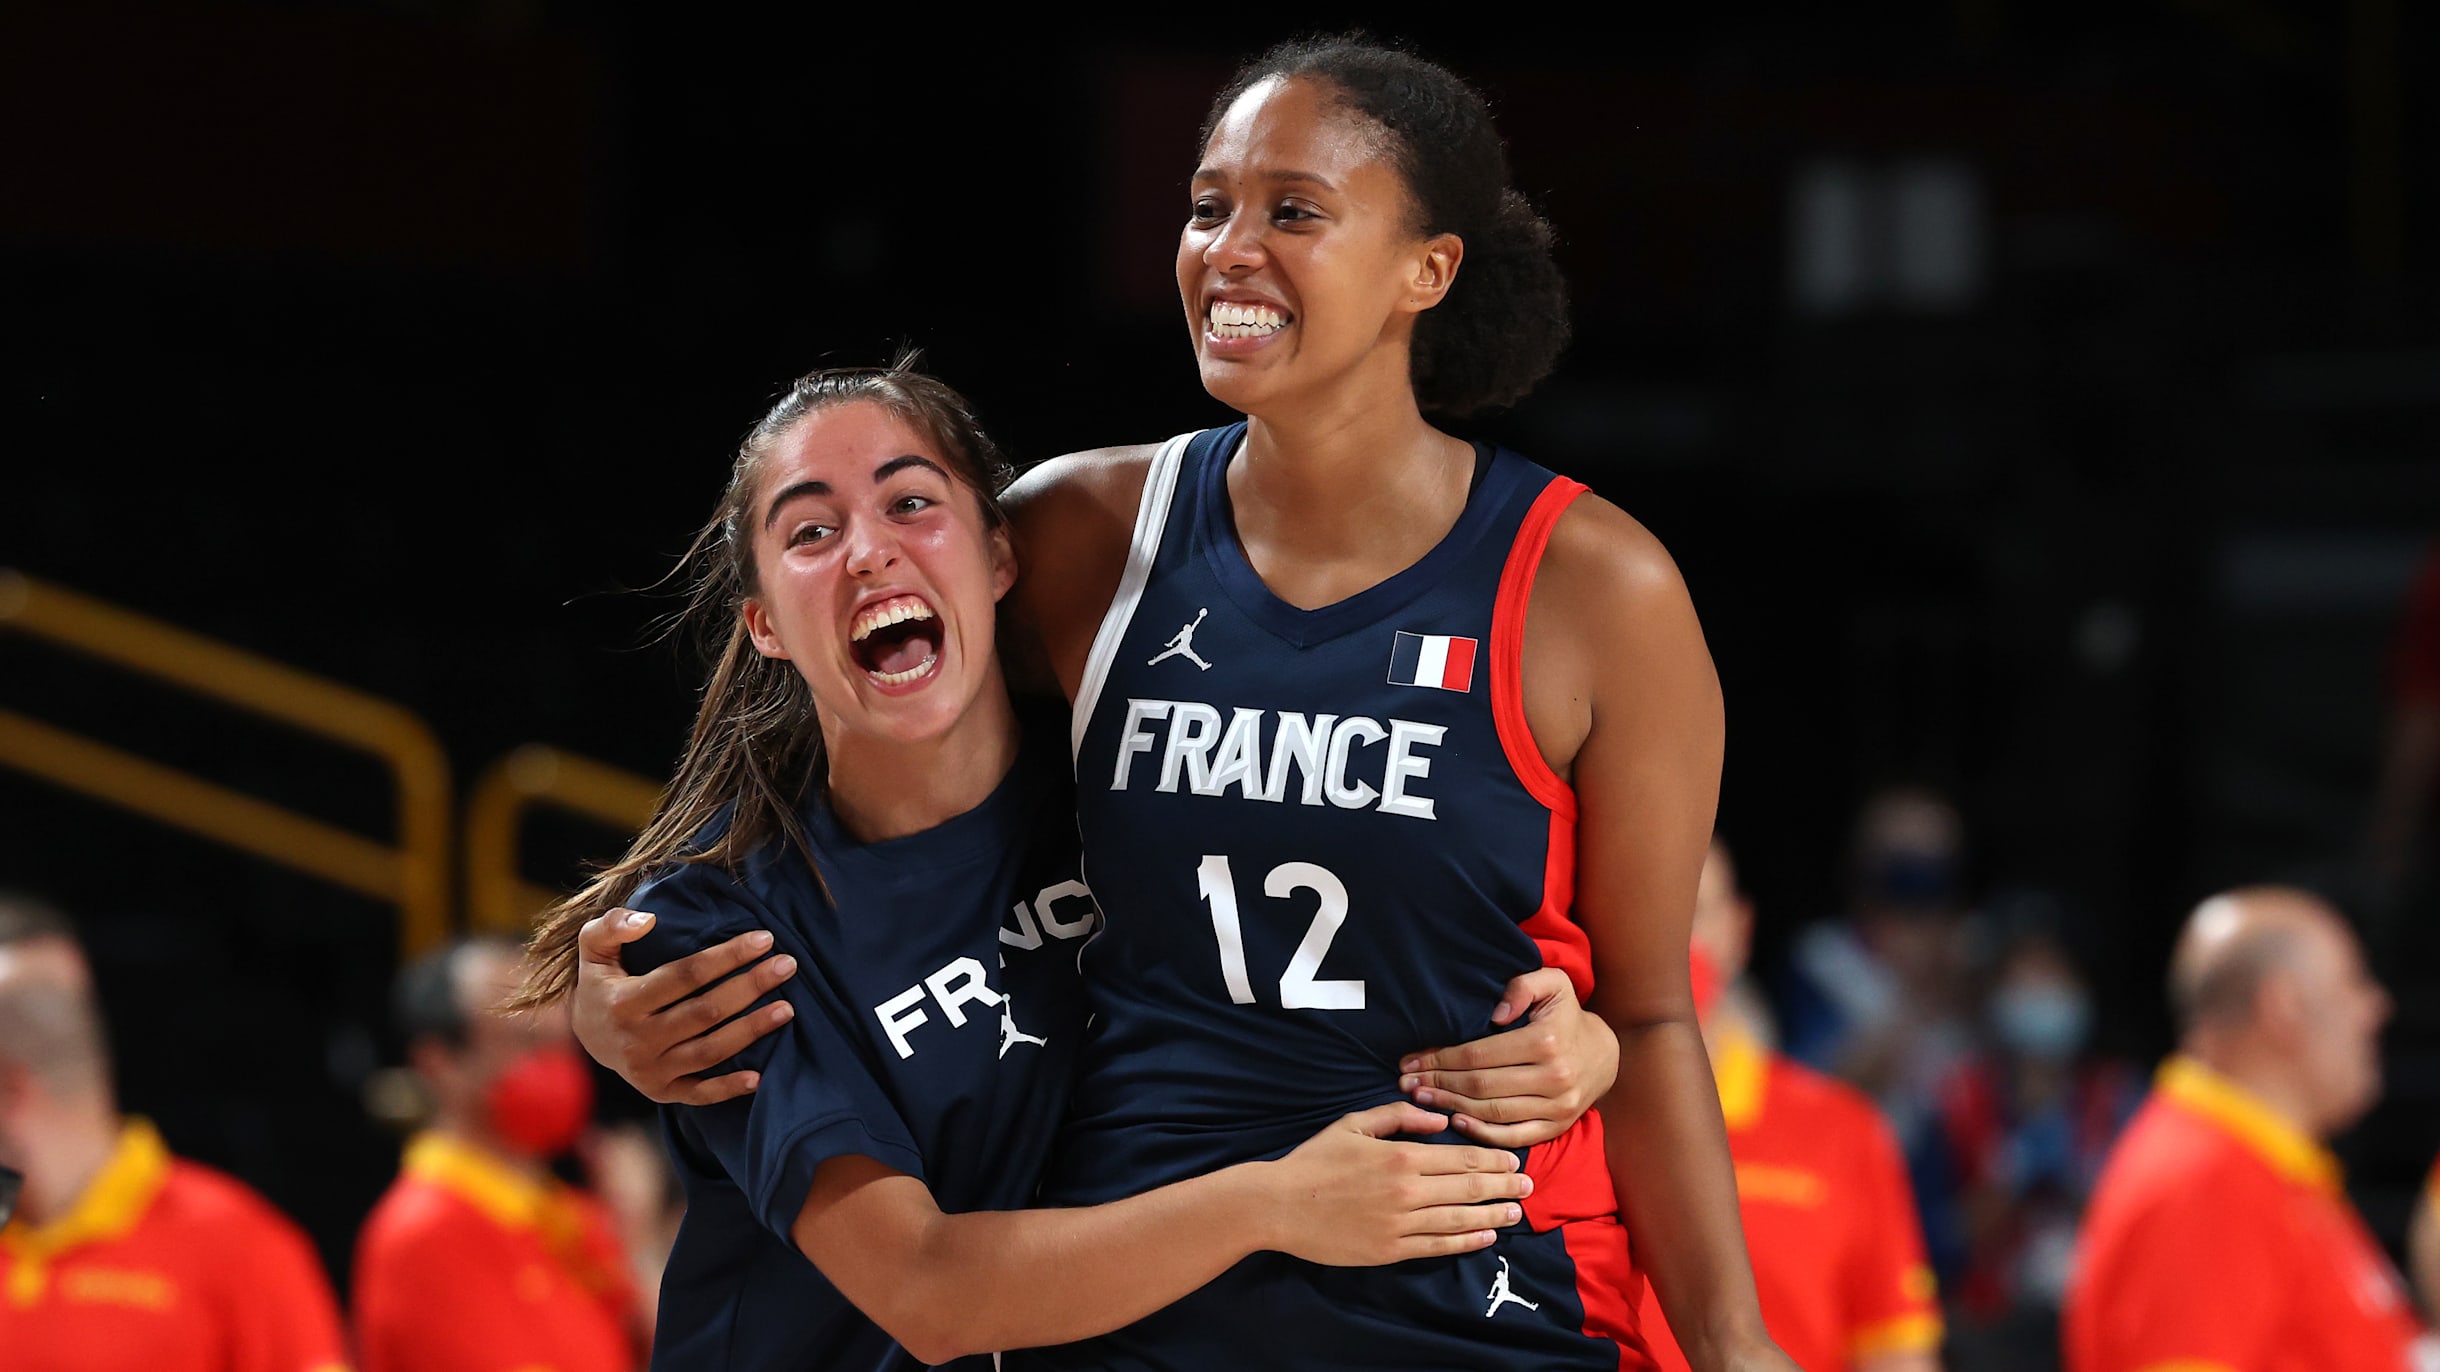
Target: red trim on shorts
{"x": 1563, "y": 943}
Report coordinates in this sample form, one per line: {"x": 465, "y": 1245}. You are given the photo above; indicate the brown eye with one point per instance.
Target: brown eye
{"x": 1207, "y": 209}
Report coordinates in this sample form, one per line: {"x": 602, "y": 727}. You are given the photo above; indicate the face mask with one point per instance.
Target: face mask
{"x": 2047, "y": 1022}
{"x": 1913, "y": 880}
{"x": 542, "y": 1102}
{"x": 1706, "y": 977}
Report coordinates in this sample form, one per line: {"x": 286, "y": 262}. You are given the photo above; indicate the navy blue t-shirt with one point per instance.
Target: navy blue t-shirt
{"x": 938, "y": 1014}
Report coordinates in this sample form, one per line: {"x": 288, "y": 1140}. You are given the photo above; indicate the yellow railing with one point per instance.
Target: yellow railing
{"x": 498, "y": 895}
{"x": 413, "y": 875}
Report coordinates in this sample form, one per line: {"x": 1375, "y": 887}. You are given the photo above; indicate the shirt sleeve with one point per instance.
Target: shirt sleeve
{"x": 2197, "y": 1285}
{"x": 282, "y": 1313}
{"x": 821, "y": 1096}
{"x": 1890, "y": 1294}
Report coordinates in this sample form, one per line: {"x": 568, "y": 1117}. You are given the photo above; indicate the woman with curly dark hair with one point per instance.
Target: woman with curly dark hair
{"x": 1367, "y": 720}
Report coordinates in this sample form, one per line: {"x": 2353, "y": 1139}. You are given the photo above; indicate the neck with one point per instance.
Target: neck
{"x": 2264, "y": 1075}
{"x": 466, "y": 1128}
{"x": 1348, "y": 476}
{"x": 62, "y": 1154}
{"x": 884, "y": 788}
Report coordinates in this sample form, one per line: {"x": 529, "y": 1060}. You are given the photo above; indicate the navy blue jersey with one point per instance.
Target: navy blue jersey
{"x": 938, "y": 1017}
{"x": 1324, "y": 839}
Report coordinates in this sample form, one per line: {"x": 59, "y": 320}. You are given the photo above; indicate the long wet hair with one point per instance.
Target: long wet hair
{"x": 755, "y": 752}
{"x": 1502, "y": 325}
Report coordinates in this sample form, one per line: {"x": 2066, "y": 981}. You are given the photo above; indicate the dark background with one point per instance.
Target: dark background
{"x": 399, "y": 342}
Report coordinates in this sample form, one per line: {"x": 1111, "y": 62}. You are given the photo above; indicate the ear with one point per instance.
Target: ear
{"x": 2279, "y": 1003}
{"x": 1435, "y": 270}
{"x": 1003, "y": 562}
{"x": 758, "y": 628}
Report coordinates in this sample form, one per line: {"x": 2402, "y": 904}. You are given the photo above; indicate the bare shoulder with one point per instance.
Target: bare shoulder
{"x": 1074, "y": 517}
{"x": 1108, "y": 479}
{"x": 1603, "y": 565}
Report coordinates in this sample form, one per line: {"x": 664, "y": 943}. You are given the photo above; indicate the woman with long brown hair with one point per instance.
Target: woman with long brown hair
{"x": 859, "y": 787}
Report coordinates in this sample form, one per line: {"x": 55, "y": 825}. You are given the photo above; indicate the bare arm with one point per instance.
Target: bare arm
{"x": 1900, "y": 1362}
{"x": 1645, "y": 762}
{"x": 2423, "y": 1252}
{"x": 948, "y": 1285}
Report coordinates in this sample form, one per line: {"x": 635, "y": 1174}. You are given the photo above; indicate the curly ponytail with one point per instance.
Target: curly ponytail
{"x": 1503, "y": 324}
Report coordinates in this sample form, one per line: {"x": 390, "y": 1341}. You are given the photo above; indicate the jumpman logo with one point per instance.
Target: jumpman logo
{"x": 1501, "y": 1295}
{"x": 1010, "y": 1034}
{"x": 1182, "y": 644}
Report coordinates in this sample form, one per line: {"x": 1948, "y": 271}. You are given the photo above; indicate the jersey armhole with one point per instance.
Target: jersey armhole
{"x": 1151, "y": 516}
{"x": 1508, "y": 647}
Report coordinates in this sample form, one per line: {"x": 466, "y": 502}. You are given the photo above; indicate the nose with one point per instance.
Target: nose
{"x": 872, "y": 547}
{"x": 1236, "y": 246}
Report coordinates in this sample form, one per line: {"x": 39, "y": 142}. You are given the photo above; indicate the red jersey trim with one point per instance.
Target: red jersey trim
{"x": 1562, "y": 941}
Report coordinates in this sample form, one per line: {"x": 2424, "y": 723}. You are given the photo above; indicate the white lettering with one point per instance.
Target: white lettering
{"x": 1404, "y": 737}
{"x": 1344, "y": 740}
{"x": 899, "y": 1016}
{"x": 958, "y": 985}
{"x": 1206, "y": 757}
{"x": 1304, "y": 742}
{"x": 1048, "y": 904}
{"x": 1025, "y": 935}
{"x": 1193, "y": 728}
{"x": 1239, "y": 757}
{"x": 1133, "y": 739}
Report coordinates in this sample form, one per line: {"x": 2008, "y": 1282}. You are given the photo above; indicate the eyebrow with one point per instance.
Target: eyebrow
{"x": 1316, "y": 178}
{"x": 880, "y": 474}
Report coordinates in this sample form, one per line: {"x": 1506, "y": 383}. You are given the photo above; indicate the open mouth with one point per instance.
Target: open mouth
{"x": 896, "y": 640}
{"x": 1228, "y": 319}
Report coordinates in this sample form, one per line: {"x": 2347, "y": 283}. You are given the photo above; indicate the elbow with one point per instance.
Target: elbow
{"x": 934, "y": 1326}
{"x": 931, "y": 1337}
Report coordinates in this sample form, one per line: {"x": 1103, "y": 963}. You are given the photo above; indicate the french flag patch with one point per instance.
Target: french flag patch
{"x": 1432, "y": 660}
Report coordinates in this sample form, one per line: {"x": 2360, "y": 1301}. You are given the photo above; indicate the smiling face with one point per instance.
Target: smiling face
{"x": 875, "y": 574}
{"x": 1300, "y": 266}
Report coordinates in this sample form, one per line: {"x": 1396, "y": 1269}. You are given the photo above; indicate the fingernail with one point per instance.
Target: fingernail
{"x": 1409, "y": 1083}
{"x": 753, "y": 1079}
{"x": 757, "y": 941}
{"x": 1528, "y": 1184}
{"x": 1411, "y": 1065}
{"x": 1423, "y": 1098}
{"x": 783, "y": 966}
{"x": 1515, "y": 1213}
{"x": 637, "y": 919}
{"x": 783, "y": 1012}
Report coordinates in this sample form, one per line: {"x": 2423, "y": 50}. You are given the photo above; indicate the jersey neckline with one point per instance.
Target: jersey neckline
{"x": 1216, "y": 531}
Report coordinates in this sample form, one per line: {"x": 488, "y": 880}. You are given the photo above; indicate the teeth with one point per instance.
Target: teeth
{"x": 1232, "y": 320}
{"x": 892, "y": 611}
{"x": 901, "y": 678}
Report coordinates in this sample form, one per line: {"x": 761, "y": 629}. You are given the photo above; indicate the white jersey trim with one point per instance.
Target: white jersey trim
{"x": 1151, "y": 517}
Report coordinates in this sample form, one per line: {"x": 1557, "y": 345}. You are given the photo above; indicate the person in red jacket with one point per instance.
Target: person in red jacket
{"x": 478, "y": 1259}
{"x": 2220, "y": 1238}
{"x": 1829, "y": 1216}
{"x": 120, "y": 1255}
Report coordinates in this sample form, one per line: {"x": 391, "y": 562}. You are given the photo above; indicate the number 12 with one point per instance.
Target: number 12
{"x": 1298, "y": 990}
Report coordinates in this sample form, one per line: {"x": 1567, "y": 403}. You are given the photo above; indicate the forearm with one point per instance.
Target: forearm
{"x": 985, "y": 1281}
{"x": 1677, "y": 1191}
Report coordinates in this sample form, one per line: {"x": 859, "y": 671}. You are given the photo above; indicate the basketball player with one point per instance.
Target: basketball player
{"x": 858, "y": 787}
{"x": 1446, "y": 720}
